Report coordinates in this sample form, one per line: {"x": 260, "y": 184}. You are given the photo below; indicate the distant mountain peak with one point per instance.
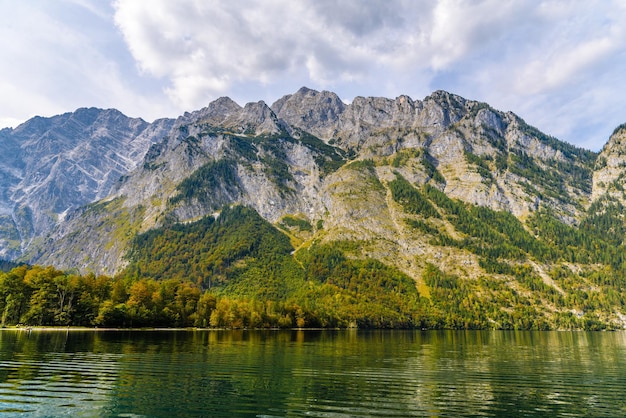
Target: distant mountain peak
{"x": 60, "y": 163}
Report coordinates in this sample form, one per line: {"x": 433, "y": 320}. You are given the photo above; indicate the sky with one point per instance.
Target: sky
{"x": 558, "y": 64}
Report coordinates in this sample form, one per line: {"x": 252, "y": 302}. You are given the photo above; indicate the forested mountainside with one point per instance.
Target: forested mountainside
{"x": 382, "y": 213}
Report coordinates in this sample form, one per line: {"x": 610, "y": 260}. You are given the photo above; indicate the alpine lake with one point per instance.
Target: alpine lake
{"x": 312, "y": 373}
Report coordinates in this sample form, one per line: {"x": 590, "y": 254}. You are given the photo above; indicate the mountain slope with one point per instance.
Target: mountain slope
{"x": 61, "y": 163}
{"x": 226, "y": 154}
{"x": 494, "y": 222}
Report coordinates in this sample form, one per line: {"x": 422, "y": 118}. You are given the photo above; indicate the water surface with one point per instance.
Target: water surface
{"x": 312, "y": 373}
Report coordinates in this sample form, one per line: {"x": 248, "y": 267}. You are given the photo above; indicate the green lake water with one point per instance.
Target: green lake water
{"x": 349, "y": 373}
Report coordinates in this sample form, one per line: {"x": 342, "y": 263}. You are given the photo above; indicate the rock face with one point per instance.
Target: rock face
{"x": 464, "y": 199}
{"x": 610, "y": 175}
{"x": 314, "y": 112}
{"x": 52, "y": 166}
{"x": 76, "y": 188}
{"x": 308, "y": 156}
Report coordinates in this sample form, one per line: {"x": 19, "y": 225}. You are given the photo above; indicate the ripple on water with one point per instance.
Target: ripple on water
{"x": 341, "y": 375}
{"x": 57, "y": 384}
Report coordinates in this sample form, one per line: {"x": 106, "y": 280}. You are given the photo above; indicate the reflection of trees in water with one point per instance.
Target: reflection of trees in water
{"x": 54, "y": 371}
{"x": 350, "y": 372}
{"x": 518, "y": 372}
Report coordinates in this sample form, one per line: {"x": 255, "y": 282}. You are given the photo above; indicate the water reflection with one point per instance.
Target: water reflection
{"x": 312, "y": 373}
{"x": 42, "y": 374}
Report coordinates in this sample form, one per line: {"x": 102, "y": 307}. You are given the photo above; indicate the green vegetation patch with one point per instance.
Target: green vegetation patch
{"x": 366, "y": 164}
{"x": 366, "y": 293}
{"x": 490, "y": 234}
{"x": 244, "y": 147}
{"x": 209, "y": 182}
{"x": 480, "y": 163}
{"x": 403, "y": 156}
{"x": 586, "y": 245}
{"x": 209, "y": 251}
{"x": 277, "y": 170}
{"x": 431, "y": 169}
{"x": 422, "y": 226}
{"x": 294, "y": 222}
{"x": 606, "y": 220}
{"x": 329, "y": 158}
{"x": 410, "y": 198}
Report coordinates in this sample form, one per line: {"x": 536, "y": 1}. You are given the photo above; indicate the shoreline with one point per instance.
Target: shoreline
{"x": 94, "y": 329}
{"x": 193, "y": 329}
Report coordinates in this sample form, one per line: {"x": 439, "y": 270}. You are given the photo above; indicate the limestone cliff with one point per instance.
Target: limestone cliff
{"x": 51, "y": 166}
{"x": 330, "y": 164}
{"x": 610, "y": 169}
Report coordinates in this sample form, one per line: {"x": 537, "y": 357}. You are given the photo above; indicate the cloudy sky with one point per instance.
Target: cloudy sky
{"x": 559, "y": 64}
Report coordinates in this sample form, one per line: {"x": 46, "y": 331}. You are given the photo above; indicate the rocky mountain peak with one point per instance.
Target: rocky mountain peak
{"x": 468, "y": 149}
{"x": 448, "y": 98}
{"x": 254, "y": 119}
{"x": 443, "y": 108}
{"x": 37, "y": 126}
{"x": 214, "y": 114}
{"x": 310, "y": 110}
{"x": 90, "y": 115}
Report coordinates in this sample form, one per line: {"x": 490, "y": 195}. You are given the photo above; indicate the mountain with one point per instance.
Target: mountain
{"x": 58, "y": 164}
{"x": 275, "y": 163}
{"x": 491, "y": 221}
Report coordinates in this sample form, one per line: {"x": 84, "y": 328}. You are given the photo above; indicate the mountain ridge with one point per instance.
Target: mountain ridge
{"x": 445, "y": 189}
{"x": 60, "y": 163}
{"x": 435, "y": 124}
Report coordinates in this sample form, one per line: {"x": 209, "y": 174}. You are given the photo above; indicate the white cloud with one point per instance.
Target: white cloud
{"x": 58, "y": 56}
{"x": 462, "y": 28}
{"x": 203, "y": 49}
{"x": 552, "y": 62}
{"x": 218, "y": 44}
